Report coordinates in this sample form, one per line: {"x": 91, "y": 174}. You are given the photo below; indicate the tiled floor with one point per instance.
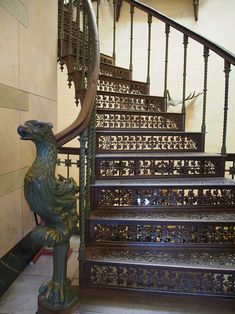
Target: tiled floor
{"x": 22, "y": 295}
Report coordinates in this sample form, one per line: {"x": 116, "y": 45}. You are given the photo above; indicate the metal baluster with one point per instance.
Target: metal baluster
{"x": 89, "y": 55}
{"x": 195, "y": 8}
{"x": 97, "y": 13}
{"x": 84, "y": 49}
{"x": 82, "y": 183}
{"x": 68, "y": 165}
{"x": 88, "y": 48}
{"x": 149, "y": 51}
{"x": 185, "y": 42}
{"x": 70, "y": 26}
{"x": 61, "y": 35}
{"x": 131, "y": 37}
{"x": 233, "y": 167}
{"x": 114, "y": 29}
{"x": 227, "y": 69}
{"x": 88, "y": 168}
{"x": 206, "y": 56}
{"x": 93, "y": 148}
{"x": 167, "y": 32}
{"x": 77, "y": 64}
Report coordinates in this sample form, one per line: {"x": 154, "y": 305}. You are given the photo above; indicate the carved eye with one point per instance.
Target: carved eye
{"x": 37, "y": 125}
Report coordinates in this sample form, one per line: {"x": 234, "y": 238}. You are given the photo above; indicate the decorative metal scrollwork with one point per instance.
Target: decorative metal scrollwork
{"x": 182, "y": 281}
{"x": 157, "y": 121}
{"x": 122, "y": 86}
{"x": 161, "y": 197}
{"x": 155, "y": 142}
{"x": 117, "y": 72}
{"x": 143, "y": 167}
{"x": 174, "y": 233}
{"x": 129, "y": 102}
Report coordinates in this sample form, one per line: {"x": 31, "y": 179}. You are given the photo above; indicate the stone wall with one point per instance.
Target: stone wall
{"x": 28, "y": 90}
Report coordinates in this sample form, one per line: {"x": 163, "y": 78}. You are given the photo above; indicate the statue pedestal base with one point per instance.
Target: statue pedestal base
{"x": 70, "y": 310}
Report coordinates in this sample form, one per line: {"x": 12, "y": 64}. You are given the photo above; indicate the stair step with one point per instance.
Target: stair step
{"x": 130, "y": 102}
{"x": 177, "y": 279}
{"x": 112, "y": 84}
{"x": 172, "y": 182}
{"x": 149, "y": 140}
{"x": 186, "y": 228}
{"x": 115, "y": 71}
{"x": 164, "y": 272}
{"x": 171, "y": 193}
{"x": 163, "y": 165}
{"x": 154, "y": 216}
{"x": 106, "y": 59}
{"x": 194, "y": 258}
{"x": 138, "y": 120}
{"x": 163, "y": 279}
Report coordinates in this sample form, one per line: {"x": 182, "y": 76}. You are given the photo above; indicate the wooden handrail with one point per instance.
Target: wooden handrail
{"x": 69, "y": 150}
{"x": 230, "y": 157}
{"x": 225, "y": 54}
{"x": 83, "y": 118}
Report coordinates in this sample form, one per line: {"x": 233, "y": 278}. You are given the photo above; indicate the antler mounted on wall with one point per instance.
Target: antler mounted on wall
{"x": 172, "y": 102}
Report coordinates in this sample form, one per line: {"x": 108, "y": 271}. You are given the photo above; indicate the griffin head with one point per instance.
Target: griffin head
{"x": 35, "y": 130}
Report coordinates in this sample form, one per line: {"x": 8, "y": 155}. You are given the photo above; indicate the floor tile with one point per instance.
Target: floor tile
{"x": 42, "y": 267}
{"x": 22, "y": 295}
{"x": 75, "y": 242}
{"x": 72, "y": 265}
{"x": 123, "y": 302}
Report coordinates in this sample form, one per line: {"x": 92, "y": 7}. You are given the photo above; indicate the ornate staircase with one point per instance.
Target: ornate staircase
{"x": 160, "y": 215}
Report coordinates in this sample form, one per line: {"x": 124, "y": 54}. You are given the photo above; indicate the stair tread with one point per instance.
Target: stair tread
{"x": 134, "y": 132}
{"x": 121, "y": 80}
{"x": 102, "y": 92}
{"x": 114, "y": 66}
{"x": 130, "y": 111}
{"x": 154, "y": 216}
{"x": 178, "y": 257}
{"x": 160, "y": 155}
{"x": 176, "y": 182}
{"x": 137, "y": 112}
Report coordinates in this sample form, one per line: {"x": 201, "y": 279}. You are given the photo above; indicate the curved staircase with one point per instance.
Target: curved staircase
{"x": 162, "y": 215}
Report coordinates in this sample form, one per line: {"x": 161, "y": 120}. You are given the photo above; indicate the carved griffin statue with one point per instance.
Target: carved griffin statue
{"x": 55, "y": 202}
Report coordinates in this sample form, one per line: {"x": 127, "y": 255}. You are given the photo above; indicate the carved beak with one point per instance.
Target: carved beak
{"x": 24, "y": 132}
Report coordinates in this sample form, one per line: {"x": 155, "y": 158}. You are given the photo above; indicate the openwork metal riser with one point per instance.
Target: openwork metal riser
{"x": 111, "y": 84}
{"x": 161, "y": 279}
{"x": 125, "y": 120}
{"x": 165, "y": 197}
{"x": 139, "y": 166}
{"x": 171, "y": 232}
{"x": 147, "y": 141}
{"x": 119, "y": 101}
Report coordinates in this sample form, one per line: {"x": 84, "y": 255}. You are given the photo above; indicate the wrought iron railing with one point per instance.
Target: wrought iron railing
{"x": 187, "y": 36}
{"x": 78, "y": 49}
{"x": 230, "y": 166}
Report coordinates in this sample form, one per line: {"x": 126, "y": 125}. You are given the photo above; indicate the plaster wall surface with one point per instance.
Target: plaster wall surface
{"x": 28, "y": 90}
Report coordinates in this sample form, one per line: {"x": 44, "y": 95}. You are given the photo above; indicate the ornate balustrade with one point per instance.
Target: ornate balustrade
{"x": 188, "y": 37}
{"x": 126, "y": 122}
